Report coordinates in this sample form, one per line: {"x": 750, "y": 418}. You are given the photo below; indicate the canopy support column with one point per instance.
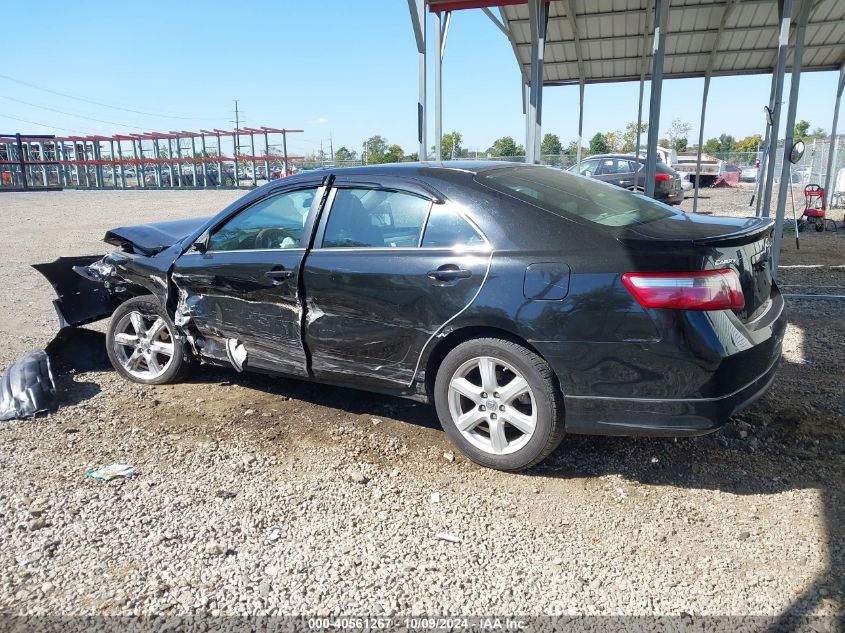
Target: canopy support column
{"x": 580, "y": 122}
{"x": 786, "y": 167}
{"x": 700, "y": 140}
{"x": 831, "y": 150}
{"x": 661, "y": 14}
{"x": 418, "y": 22}
{"x": 780, "y": 69}
{"x": 640, "y": 113}
{"x": 644, "y": 57}
{"x": 526, "y": 89}
{"x": 537, "y": 25}
{"x": 764, "y": 159}
{"x": 582, "y": 78}
{"x": 441, "y": 31}
{"x": 707, "y": 75}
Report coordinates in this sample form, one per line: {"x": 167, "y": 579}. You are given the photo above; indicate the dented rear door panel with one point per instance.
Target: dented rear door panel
{"x": 370, "y": 312}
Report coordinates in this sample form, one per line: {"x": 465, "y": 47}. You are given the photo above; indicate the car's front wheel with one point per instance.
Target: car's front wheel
{"x": 499, "y": 404}
{"x": 143, "y": 345}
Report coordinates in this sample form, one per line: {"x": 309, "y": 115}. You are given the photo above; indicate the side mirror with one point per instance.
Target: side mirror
{"x": 797, "y": 152}
{"x": 768, "y": 113}
{"x": 201, "y": 244}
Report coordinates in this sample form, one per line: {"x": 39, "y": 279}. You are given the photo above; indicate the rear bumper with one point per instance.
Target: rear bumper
{"x": 671, "y": 197}
{"x": 661, "y": 417}
{"x": 708, "y": 366}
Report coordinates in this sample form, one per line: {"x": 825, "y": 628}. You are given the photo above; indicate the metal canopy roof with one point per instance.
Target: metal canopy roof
{"x": 613, "y": 38}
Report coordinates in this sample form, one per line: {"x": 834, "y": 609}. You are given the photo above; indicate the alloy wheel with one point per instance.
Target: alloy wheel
{"x": 143, "y": 345}
{"x": 492, "y": 405}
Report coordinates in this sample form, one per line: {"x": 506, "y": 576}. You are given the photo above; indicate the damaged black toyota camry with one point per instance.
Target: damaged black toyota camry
{"x": 522, "y": 301}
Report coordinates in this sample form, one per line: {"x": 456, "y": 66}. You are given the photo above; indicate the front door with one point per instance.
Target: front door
{"x": 241, "y": 293}
{"x": 388, "y": 268}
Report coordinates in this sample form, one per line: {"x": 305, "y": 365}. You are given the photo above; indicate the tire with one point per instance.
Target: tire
{"x": 496, "y": 425}
{"x": 145, "y": 358}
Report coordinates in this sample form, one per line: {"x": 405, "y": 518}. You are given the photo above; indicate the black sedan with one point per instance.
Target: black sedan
{"x": 522, "y": 301}
{"x": 628, "y": 172}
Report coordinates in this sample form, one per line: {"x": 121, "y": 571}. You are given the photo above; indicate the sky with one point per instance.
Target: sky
{"x": 342, "y": 71}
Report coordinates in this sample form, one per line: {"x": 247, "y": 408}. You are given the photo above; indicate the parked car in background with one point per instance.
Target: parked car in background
{"x": 801, "y": 174}
{"x": 628, "y": 172}
{"x": 522, "y": 301}
{"x": 686, "y": 181}
{"x": 749, "y": 173}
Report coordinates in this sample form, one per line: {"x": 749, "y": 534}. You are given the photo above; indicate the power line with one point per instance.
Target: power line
{"x": 52, "y": 127}
{"x": 81, "y": 116}
{"x": 99, "y": 103}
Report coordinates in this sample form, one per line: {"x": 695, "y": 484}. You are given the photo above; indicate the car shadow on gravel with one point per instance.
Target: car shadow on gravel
{"x": 351, "y": 401}
{"x": 72, "y": 352}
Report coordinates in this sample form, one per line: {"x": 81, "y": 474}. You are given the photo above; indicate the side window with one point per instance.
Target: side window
{"x": 623, "y": 166}
{"x": 606, "y": 166}
{"x": 271, "y": 223}
{"x": 588, "y": 167}
{"x": 447, "y": 229}
{"x": 375, "y": 218}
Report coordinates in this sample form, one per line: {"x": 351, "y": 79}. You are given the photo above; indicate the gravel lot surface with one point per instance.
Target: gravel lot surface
{"x": 258, "y": 495}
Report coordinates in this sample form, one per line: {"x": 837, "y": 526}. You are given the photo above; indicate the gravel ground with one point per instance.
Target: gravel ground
{"x": 256, "y": 495}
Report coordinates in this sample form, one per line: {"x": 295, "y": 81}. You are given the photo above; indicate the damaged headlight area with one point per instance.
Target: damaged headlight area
{"x": 88, "y": 288}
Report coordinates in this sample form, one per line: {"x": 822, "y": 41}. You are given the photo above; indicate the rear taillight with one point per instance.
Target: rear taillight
{"x": 704, "y": 290}
{"x": 663, "y": 177}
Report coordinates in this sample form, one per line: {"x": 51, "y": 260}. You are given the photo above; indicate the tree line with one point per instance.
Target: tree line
{"x": 378, "y": 149}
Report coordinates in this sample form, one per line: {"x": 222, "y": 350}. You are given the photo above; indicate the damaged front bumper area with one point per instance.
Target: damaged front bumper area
{"x": 88, "y": 288}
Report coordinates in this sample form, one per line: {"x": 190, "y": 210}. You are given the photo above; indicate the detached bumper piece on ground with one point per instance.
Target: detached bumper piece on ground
{"x": 27, "y": 388}
{"x": 522, "y": 301}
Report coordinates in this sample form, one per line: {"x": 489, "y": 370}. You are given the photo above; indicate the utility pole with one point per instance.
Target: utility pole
{"x": 237, "y": 127}
{"x": 237, "y": 143}
{"x": 331, "y": 147}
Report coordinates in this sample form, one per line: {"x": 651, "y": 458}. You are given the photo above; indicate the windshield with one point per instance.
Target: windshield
{"x": 569, "y": 195}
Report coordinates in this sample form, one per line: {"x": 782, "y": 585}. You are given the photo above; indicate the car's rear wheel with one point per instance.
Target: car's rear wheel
{"x": 143, "y": 345}
{"x": 499, "y": 403}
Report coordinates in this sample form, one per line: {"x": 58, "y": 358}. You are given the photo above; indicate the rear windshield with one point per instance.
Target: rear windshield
{"x": 569, "y": 195}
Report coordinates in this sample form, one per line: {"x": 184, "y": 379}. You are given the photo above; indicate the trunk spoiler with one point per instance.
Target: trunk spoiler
{"x": 742, "y": 236}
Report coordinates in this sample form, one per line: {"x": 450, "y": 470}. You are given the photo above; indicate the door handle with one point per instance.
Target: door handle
{"x": 449, "y": 272}
{"x": 278, "y": 274}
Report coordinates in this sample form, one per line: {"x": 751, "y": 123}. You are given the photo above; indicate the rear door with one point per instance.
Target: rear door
{"x": 241, "y": 293}
{"x": 389, "y": 267}
{"x": 616, "y": 171}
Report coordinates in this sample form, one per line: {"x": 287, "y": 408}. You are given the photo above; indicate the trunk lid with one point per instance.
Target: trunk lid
{"x": 149, "y": 239}
{"x": 749, "y": 255}
{"x": 743, "y": 244}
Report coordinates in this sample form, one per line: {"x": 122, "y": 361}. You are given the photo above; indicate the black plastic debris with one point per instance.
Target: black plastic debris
{"x": 27, "y": 388}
